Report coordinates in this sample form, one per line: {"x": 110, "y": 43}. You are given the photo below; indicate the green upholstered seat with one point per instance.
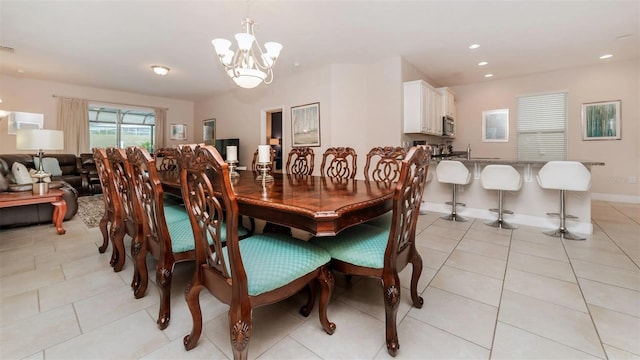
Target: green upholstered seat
{"x": 274, "y": 260}
{"x": 182, "y": 234}
{"x": 175, "y": 213}
{"x": 361, "y": 245}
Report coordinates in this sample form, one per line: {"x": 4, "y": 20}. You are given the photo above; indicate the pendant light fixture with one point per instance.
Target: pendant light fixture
{"x": 247, "y": 67}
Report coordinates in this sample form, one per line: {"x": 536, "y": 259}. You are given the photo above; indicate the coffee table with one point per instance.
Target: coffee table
{"x": 54, "y": 196}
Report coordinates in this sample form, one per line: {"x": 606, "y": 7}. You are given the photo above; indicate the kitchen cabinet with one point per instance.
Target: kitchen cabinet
{"x": 448, "y": 102}
{"x": 423, "y": 108}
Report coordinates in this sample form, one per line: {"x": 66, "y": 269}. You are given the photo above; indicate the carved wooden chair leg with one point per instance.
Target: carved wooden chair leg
{"x": 240, "y": 325}
{"x": 415, "y": 277}
{"x": 192, "y": 296}
{"x": 163, "y": 279}
{"x": 391, "y": 303}
{"x": 327, "y": 282}
{"x": 105, "y": 232}
{"x": 140, "y": 269}
{"x": 118, "y": 256}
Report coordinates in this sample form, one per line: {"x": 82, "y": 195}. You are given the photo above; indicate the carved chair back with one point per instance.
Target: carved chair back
{"x": 384, "y": 163}
{"x": 339, "y": 162}
{"x": 300, "y": 161}
{"x": 166, "y": 159}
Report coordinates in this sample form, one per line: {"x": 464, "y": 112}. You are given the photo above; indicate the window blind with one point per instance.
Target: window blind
{"x": 541, "y": 127}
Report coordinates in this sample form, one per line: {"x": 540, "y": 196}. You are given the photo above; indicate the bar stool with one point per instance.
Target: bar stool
{"x": 501, "y": 178}
{"x": 453, "y": 172}
{"x": 423, "y": 205}
{"x": 564, "y": 175}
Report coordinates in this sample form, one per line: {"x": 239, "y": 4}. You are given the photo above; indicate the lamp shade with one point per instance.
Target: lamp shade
{"x": 39, "y": 139}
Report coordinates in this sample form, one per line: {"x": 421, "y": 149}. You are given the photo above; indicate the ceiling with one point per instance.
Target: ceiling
{"x": 112, "y": 44}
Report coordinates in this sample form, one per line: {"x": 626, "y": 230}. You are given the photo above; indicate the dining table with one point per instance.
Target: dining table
{"x": 322, "y": 206}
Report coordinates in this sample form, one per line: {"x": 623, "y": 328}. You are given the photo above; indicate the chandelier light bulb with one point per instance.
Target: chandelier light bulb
{"x": 248, "y": 66}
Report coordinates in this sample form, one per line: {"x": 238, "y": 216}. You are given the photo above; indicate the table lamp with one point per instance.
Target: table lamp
{"x": 40, "y": 140}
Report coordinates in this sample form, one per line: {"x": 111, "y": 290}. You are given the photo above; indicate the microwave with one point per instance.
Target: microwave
{"x": 448, "y": 126}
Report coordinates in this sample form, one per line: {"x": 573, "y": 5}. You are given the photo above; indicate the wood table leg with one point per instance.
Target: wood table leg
{"x": 59, "y": 209}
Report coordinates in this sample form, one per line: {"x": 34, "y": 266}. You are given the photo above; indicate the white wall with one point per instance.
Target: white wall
{"x": 360, "y": 106}
{"x": 609, "y": 81}
{"x": 28, "y": 95}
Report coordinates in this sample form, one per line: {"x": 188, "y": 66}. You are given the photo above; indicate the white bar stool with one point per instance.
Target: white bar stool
{"x": 501, "y": 178}
{"x": 453, "y": 172}
{"x": 423, "y": 206}
{"x": 564, "y": 175}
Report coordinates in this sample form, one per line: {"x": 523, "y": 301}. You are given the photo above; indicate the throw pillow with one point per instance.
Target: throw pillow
{"x": 21, "y": 174}
{"x": 50, "y": 165}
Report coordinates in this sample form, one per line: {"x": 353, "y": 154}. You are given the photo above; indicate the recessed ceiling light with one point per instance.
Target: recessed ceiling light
{"x": 606, "y": 56}
{"x": 488, "y": 75}
{"x": 482, "y": 63}
{"x": 474, "y": 46}
{"x": 160, "y": 70}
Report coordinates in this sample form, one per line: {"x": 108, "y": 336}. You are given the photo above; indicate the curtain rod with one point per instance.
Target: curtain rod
{"x": 117, "y": 103}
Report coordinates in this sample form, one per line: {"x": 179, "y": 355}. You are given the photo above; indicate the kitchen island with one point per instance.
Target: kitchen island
{"x": 530, "y": 205}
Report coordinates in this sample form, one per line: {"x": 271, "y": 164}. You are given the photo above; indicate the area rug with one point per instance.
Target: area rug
{"x": 91, "y": 210}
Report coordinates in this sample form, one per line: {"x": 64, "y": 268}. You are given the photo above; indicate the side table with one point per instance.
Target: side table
{"x": 54, "y": 196}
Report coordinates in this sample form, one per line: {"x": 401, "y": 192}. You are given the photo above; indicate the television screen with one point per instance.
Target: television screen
{"x": 221, "y": 146}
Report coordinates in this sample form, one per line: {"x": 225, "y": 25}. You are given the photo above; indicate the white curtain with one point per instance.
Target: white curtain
{"x": 161, "y": 119}
{"x": 73, "y": 119}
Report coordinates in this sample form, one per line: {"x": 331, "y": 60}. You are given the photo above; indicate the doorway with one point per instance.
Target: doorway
{"x": 273, "y": 133}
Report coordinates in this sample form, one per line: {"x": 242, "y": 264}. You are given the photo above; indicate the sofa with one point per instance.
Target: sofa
{"x": 69, "y": 182}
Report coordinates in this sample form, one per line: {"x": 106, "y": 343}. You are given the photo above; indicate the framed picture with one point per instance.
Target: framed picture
{"x": 305, "y": 125}
{"x": 209, "y": 131}
{"x": 601, "y": 121}
{"x": 178, "y": 132}
{"x": 495, "y": 125}
{"x": 24, "y": 120}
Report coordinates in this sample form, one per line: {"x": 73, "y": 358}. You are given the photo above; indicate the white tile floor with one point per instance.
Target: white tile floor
{"x": 488, "y": 293}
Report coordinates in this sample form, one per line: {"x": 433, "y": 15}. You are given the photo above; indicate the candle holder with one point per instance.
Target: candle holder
{"x": 232, "y": 168}
{"x": 263, "y": 168}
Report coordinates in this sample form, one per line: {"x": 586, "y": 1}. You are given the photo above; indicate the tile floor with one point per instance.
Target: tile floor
{"x": 488, "y": 293}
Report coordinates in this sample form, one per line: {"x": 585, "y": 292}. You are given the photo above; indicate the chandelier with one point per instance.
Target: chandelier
{"x": 242, "y": 66}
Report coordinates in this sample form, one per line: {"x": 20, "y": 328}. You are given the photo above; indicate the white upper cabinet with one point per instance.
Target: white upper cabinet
{"x": 448, "y": 101}
{"x": 423, "y": 108}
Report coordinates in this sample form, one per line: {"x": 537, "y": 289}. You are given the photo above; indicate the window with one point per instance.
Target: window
{"x": 541, "y": 127}
{"x": 111, "y": 126}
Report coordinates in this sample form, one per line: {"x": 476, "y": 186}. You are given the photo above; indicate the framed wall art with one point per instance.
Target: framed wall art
{"x": 601, "y": 120}
{"x": 305, "y": 125}
{"x": 209, "y": 132}
{"x": 178, "y": 132}
{"x": 495, "y": 125}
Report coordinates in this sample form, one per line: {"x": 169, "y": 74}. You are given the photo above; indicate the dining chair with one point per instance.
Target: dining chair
{"x": 259, "y": 270}
{"x": 165, "y": 231}
{"x": 272, "y": 156}
{"x": 339, "y": 162}
{"x": 112, "y": 215}
{"x": 300, "y": 161}
{"x": 382, "y": 168}
{"x": 377, "y": 252}
{"x": 130, "y": 222}
{"x": 166, "y": 159}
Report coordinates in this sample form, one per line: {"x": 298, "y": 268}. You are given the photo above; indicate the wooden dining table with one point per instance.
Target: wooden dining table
{"x": 319, "y": 205}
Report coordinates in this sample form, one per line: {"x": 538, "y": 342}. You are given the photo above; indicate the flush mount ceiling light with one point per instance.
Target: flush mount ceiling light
{"x": 474, "y": 46}
{"x": 606, "y": 56}
{"x": 488, "y": 75}
{"x": 243, "y": 66}
{"x": 482, "y": 63}
{"x": 160, "y": 70}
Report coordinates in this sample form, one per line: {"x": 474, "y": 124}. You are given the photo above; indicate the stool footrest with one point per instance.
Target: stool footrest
{"x": 457, "y": 204}
{"x": 553, "y": 214}
{"x": 570, "y": 217}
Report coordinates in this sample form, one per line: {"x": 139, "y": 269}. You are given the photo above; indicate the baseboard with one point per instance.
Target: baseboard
{"x": 543, "y": 222}
{"x": 616, "y": 198}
